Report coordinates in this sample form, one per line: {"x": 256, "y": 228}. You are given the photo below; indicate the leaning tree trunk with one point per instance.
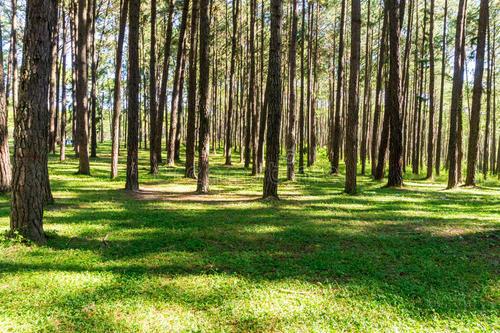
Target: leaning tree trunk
{"x": 476, "y": 95}
{"x": 290, "y": 143}
{"x": 5, "y": 167}
{"x": 395, "y": 177}
{"x": 274, "y": 104}
{"x": 81, "y": 89}
{"x": 204, "y": 140}
{"x": 31, "y": 124}
{"x": 456, "y": 98}
{"x": 134, "y": 78}
{"x": 115, "y": 133}
{"x": 353, "y": 103}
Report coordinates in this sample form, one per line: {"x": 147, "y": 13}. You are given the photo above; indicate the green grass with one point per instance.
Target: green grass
{"x": 166, "y": 260}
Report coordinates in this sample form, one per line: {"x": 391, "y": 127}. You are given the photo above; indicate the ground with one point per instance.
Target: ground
{"x": 167, "y": 260}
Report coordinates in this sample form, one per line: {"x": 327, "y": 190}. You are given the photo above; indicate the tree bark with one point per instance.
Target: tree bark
{"x": 353, "y": 103}
{"x": 439, "y": 139}
{"x": 274, "y": 104}
{"x": 153, "y": 111}
{"x": 62, "y": 148}
{"x": 204, "y": 140}
{"x": 291, "y": 98}
{"x": 430, "y": 137}
{"x": 476, "y": 95}
{"x": 5, "y": 166}
{"x": 132, "y": 182}
{"x": 31, "y": 124}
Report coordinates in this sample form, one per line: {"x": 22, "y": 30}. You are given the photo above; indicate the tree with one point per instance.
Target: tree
{"x": 5, "y": 167}
{"x": 204, "y": 141}
{"x": 31, "y": 124}
{"x": 456, "y": 98}
{"x": 393, "y": 106}
{"x": 353, "y": 102}
{"x": 430, "y": 137}
{"x": 191, "y": 122}
{"x": 476, "y": 94}
{"x": 290, "y": 154}
{"x": 334, "y": 167}
{"x": 153, "y": 111}
{"x": 115, "y": 127}
{"x": 228, "y": 142}
{"x": 441, "y": 92}
{"x": 274, "y": 104}
{"x": 132, "y": 183}
{"x": 62, "y": 151}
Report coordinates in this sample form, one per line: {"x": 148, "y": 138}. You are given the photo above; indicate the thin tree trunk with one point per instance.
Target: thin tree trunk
{"x": 5, "y": 166}
{"x": 62, "y": 151}
{"x": 439, "y": 142}
{"x": 153, "y": 111}
{"x": 291, "y": 99}
{"x": 430, "y": 137}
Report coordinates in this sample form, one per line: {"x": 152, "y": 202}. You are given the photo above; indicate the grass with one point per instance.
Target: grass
{"x": 166, "y": 260}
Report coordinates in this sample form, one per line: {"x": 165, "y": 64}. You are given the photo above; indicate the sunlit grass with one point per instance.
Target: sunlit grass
{"x": 419, "y": 258}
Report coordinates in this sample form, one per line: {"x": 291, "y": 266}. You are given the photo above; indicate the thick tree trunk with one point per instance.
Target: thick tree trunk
{"x": 191, "y": 121}
{"x": 115, "y": 133}
{"x": 5, "y": 167}
{"x": 393, "y": 106}
{"x": 290, "y": 142}
{"x": 81, "y": 89}
{"x": 31, "y": 124}
{"x": 454, "y": 142}
{"x": 353, "y": 103}
{"x": 204, "y": 140}
{"x": 476, "y": 95}
{"x": 274, "y": 104}
{"x": 132, "y": 182}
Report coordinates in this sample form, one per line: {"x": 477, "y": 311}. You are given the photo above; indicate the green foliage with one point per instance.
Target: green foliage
{"x": 166, "y": 260}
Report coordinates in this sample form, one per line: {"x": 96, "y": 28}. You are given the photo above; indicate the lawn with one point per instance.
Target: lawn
{"x": 166, "y": 260}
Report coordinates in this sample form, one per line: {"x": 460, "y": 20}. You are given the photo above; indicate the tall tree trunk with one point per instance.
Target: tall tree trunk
{"x": 395, "y": 177}
{"x": 486, "y": 145}
{"x": 353, "y": 103}
{"x": 191, "y": 121}
{"x": 177, "y": 87}
{"x": 249, "y": 139}
{"x": 162, "y": 100}
{"x": 228, "y": 143}
{"x": 456, "y": 98}
{"x": 134, "y": 78}
{"x": 81, "y": 89}
{"x": 52, "y": 88}
{"x": 476, "y": 95}
{"x": 366, "y": 93}
{"x": 430, "y": 137}
{"x": 5, "y": 167}
{"x": 334, "y": 165}
{"x": 13, "y": 59}
{"x": 274, "y": 104}
{"x": 302, "y": 91}
{"x": 204, "y": 140}
{"x": 439, "y": 139}
{"x": 253, "y": 90}
{"x": 93, "y": 89}
{"x": 31, "y": 124}
{"x": 115, "y": 133}
{"x": 62, "y": 148}
{"x": 291, "y": 98}
{"x": 153, "y": 111}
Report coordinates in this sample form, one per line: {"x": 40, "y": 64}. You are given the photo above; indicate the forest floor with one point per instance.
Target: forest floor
{"x": 166, "y": 260}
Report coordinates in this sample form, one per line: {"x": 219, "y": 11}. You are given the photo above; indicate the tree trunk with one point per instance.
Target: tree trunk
{"x": 62, "y": 151}
{"x": 81, "y": 89}
{"x": 191, "y": 121}
{"x": 441, "y": 92}
{"x": 132, "y": 182}
{"x": 172, "y": 134}
{"x": 31, "y": 124}
{"x": 52, "y": 88}
{"x": 153, "y": 111}
{"x": 93, "y": 89}
{"x": 486, "y": 145}
{"x": 115, "y": 133}
{"x": 274, "y": 104}
{"x": 291, "y": 99}
{"x": 430, "y": 137}
{"x": 476, "y": 94}
{"x": 204, "y": 139}
{"x": 456, "y": 98}
{"x": 353, "y": 103}
{"x": 366, "y": 93}
{"x": 5, "y": 167}
{"x": 395, "y": 177}
{"x": 334, "y": 165}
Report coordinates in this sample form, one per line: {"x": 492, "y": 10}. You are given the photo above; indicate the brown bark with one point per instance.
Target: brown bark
{"x": 353, "y": 102}
{"x": 430, "y": 136}
{"x": 31, "y": 124}
{"x": 52, "y": 87}
{"x": 476, "y": 94}
{"x": 439, "y": 139}
{"x": 454, "y": 141}
{"x": 204, "y": 139}
{"x": 153, "y": 110}
{"x": 274, "y": 104}
{"x": 132, "y": 182}
{"x": 62, "y": 148}
{"x": 291, "y": 98}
